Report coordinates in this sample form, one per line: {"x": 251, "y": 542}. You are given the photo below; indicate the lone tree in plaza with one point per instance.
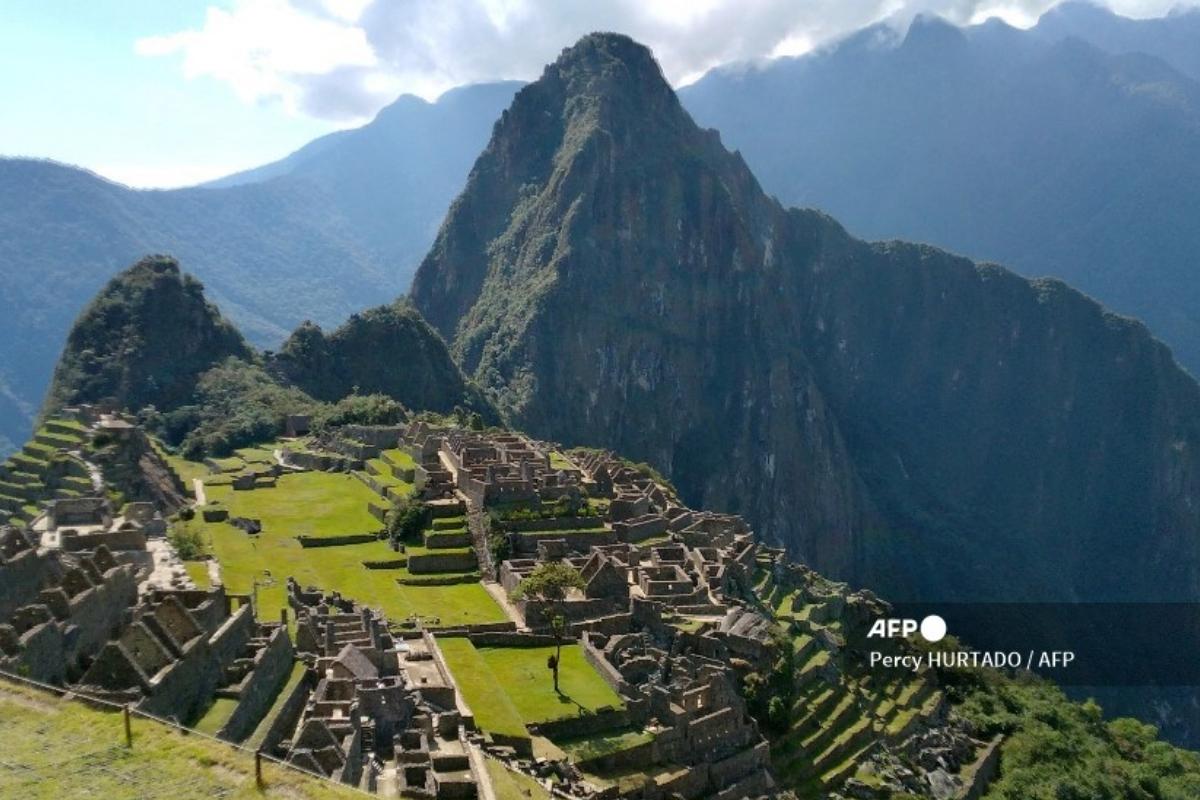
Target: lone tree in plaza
{"x": 550, "y": 583}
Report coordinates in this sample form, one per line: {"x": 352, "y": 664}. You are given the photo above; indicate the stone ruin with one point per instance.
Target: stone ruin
{"x": 380, "y": 713}
{"x": 76, "y": 620}
{"x": 59, "y": 610}
{"x": 84, "y": 523}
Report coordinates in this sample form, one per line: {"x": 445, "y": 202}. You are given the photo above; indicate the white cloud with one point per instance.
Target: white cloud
{"x": 164, "y": 176}
{"x": 344, "y": 59}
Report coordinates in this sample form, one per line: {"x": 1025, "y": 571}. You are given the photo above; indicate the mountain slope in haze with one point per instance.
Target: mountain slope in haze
{"x": 270, "y": 256}
{"x": 335, "y": 228}
{"x": 1173, "y": 38}
{"x": 1048, "y": 154}
{"x": 395, "y": 177}
{"x": 897, "y": 416}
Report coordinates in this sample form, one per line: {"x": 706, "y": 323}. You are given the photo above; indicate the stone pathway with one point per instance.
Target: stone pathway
{"x": 214, "y": 572}
{"x": 482, "y": 776}
{"x": 501, "y": 597}
{"x": 166, "y": 569}
{"x": 198, "y": 490}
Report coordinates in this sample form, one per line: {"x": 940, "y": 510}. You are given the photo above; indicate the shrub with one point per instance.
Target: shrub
{"x": 187, "y": 541}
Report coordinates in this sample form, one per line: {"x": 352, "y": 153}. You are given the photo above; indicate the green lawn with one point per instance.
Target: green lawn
{"x": 510, "y": 785}
{"x": 270, "y": 558}
{"x": 198, "y": 572}
{"x": 264, "y": 726}
{"x": 510, "y": 687}
{"x": 400, "y": 458}
{"x": 603, "y": 744}
{"x": 305, "y": 504}
{"x": 215, "y": 717}
{"x": 56, "y": 749}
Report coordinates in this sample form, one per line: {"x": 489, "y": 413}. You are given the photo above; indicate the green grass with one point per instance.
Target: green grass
{"x": 215, "y": 717}
{"x": 399, "y": 457}
{"x": 305, "y": 504}
{"x": 322, "y": 504}
{"x": 510, "y": 687}
{"x": 56, "y": 749}
{"x": 271, "y": 557}
{"x": 264, "y": 726}
{"x": 559, "y": 461}
{"x": 509, "y": 785}
{"x": 603, "y": 744}
{"x": 186, "y": 470}
{"x": 198, "y": 572}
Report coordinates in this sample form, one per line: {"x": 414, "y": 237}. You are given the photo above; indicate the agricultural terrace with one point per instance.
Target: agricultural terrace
{"x": 323, "y": 504}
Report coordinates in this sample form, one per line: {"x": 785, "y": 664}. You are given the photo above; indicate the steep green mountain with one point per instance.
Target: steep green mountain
{"x": 270, "y": 255}
{"x": 332, "y": 229}
{"x": 143, "y": 340}
{"x": 1077, "y": 158}
{"x": 387, "y": 350}
{"x": 151, "y": 338}
{"x": 895, "y": 415}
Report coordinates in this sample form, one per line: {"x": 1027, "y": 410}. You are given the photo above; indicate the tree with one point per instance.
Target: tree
{"x": 550, "y": 583}
{"x": 406, "y": 519}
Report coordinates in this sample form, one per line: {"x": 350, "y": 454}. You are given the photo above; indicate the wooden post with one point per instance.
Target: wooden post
{"x": 258, "y": 778}
{"x": 128, "y": 726}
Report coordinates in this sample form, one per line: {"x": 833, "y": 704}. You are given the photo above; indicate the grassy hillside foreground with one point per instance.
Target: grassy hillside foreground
{"x": 55, "y": 748}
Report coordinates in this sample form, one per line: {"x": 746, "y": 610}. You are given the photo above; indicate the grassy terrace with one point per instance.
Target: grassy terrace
{"x": 510, "y": 785}
{"x": 264, "y": 726}
{"x": 326, "y": 504}
{"x": 508, "y": 688}
{"x": 58, "y": 749}
{"x": 213, "y": 719}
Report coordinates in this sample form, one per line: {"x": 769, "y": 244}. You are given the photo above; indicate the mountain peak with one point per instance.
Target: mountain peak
{"x": 144, "y": 339}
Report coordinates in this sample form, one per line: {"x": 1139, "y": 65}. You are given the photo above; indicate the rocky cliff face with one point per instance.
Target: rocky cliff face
{"x": 896, "y": 415}
{"x": 143, "y": 340}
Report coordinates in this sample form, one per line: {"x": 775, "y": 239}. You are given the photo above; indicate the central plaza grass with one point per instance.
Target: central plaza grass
{"x": 304, "y": 504}
{"x": 54, "y": 749}
{"x": 326, "y": 504}
{"x": 508, "y": 688}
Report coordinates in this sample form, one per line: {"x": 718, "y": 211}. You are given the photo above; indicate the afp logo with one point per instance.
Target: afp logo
{"x": 932, "y": 628}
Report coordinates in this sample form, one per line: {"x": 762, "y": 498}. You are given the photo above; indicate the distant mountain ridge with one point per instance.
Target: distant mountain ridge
{"x": 1089, "y": 153}
{"x": 1040, "y": 149}
{"x": 337, "y": 227}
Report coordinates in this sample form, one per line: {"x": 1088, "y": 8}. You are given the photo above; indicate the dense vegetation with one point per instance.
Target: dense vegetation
{"x": 151, "y": 343}
{"x": 143, "y": 340}
{"x": 388, "y": 350}
{"x": 1061, "y": 750}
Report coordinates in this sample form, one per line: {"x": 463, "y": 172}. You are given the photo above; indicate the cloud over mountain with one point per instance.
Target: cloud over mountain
{"x": 344, "y": 59}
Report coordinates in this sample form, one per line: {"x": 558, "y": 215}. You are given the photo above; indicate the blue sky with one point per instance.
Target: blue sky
{"x": 173, "y": 92}
{"x": 75, "y": 90}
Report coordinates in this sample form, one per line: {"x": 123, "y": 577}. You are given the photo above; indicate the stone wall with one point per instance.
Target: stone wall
{"x": 289, "y": 713}
{"x": 336, "y": 541}
{"x": 257, "y": 692}
{"x": 20, "y": 580}
{"x": 554, "y": 524}
{"x": 427, "y": 563}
